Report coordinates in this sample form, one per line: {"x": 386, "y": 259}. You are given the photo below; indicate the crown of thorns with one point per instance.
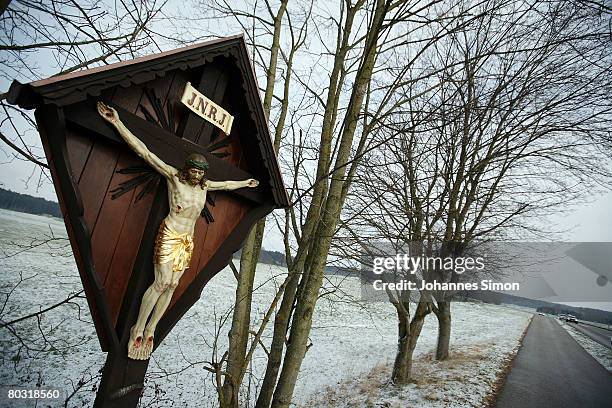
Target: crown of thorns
{"x": 190, "y": 163}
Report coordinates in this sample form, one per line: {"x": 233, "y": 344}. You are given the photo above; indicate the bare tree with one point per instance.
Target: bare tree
{"x": 524, "y": 123}
{"x": 511, "y": 132}
{"x": 266, "y": 27}
{"x": 367, "y": 36}
{"x": 239, "y": 334}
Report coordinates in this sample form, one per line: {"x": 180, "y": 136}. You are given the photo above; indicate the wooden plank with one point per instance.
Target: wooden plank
{"x": 160, "y": 88}
{"x": 101, "y": 165}
{"x": 234, "y": 148}
{"x": 95, "y": 180}
{"x": 125, "y": 253}
{"x": 52, "y": 126}
{"x": 127, "y": 98}
{"x": 174, "y": 96}
{"x": 224, "y": 213}
{"x": 93, "y": 293}
{"x": 234, "y": 211}
{"x": 79, "y": 147}
{"x": 79, "y": 144}
{"x": 213, "y": 84}
{"x": 105, "y": 235}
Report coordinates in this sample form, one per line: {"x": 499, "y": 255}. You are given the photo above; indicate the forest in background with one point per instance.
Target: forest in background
{"x": 11, "y": 200}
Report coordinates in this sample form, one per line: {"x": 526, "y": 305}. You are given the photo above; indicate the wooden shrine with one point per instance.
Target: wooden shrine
{"x": 113, "y": 202}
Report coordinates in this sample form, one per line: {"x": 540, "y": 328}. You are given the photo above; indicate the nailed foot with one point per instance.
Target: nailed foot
{"x": 136, "y": 349}
{"x": 148, "y": 346}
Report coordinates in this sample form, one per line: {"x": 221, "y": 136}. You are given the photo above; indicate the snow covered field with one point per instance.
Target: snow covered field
{"x": 350, "y": 340}
{"x": 485, "y": 339}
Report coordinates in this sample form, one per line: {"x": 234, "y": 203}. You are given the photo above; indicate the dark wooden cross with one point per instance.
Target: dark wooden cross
{"x": 170, "y": 147}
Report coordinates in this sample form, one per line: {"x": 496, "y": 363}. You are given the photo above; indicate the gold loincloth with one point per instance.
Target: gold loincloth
{"x": 171, "y": 246}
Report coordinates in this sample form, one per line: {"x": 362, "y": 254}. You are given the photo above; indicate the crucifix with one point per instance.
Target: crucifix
{"x": 131, "y": 223}
{"x": 187, "y": 189}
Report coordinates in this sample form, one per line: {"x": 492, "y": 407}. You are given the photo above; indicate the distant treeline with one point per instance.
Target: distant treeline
{"x": 278, "y": 259}
{"x": 28, "y": 204}
{"x": 583, "y": 313}
{"x": 268, "y": 257}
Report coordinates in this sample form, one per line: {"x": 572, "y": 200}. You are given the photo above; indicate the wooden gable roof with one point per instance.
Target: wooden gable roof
{"x": 71, "y": 88}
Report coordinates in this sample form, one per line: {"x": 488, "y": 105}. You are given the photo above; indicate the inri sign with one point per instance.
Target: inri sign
{"x": 207, "y": 109}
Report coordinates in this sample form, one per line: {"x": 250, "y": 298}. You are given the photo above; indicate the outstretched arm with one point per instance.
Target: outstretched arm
{"x": 230, "y": 185}
{"x": 112, "y": 117}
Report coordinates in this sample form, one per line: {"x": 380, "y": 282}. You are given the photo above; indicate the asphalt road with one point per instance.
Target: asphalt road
{"x": 552, "y": 370}
{"x": 599, "y": 334}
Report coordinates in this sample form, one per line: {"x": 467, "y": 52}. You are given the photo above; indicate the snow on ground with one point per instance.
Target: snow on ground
{"x": 349, "y": 338}
{"x": 599, "y": 352}
{"x": 482, "y": 346}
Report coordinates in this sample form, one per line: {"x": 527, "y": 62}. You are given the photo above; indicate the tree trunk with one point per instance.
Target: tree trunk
{"x": 408, "y": 335}
{"x": 282, "y": 318}
{"x": 307, "y": 298}
{"x": 275, "y": 356}
{"x": 402, "y": 368}
{"x": 444, "y": 330}
{"x": 241, "y": 319}
{"x": 239, "y": 333}
{"x": 300, "y": 329}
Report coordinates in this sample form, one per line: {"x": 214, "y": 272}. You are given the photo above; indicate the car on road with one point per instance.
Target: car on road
{"x": 542, "y": 314}
{"x": 571, "y": 319}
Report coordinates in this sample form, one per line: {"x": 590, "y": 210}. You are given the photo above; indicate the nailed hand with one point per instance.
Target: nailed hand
{"x": 107, "y": 112}
{"x": 252, "y": 183}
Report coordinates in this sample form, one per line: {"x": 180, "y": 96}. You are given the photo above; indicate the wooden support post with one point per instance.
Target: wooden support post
{"x": 122, "y": 380}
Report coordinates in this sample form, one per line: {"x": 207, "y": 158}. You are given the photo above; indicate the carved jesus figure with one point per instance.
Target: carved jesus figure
{"x": 187, "y": 190}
